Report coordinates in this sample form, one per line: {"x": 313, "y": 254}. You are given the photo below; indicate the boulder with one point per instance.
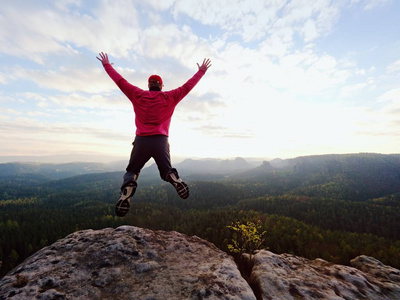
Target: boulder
{"x": 291, "y": 277}
{"x": 127, "y": 263}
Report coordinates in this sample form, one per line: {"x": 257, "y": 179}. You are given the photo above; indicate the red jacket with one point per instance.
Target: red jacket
{"x": 153, "y": 109}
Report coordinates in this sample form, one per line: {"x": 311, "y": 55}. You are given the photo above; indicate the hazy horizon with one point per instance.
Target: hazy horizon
{"x": 288, "y": 78}
{"x": 86, "y": 158}
{"x": 70, "y": 158}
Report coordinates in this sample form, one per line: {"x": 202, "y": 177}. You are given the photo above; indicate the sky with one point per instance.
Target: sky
{"x": 288, "y": 78}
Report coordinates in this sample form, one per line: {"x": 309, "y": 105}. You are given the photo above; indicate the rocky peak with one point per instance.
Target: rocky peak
{"x": 136, "y": 263}
{"x": 127, "y": 263}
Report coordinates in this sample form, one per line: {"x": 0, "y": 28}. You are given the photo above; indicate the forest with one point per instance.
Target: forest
{"x": 333, "y": 207}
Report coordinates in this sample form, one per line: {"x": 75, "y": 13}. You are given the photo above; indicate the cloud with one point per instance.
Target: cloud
{"x": 97, "y": 102}
{"x": 26, "y": 132}
{"x": 391, "y": 107}
{"x": 391, "y": 96}
{"x": 223, "y": 132}
{"x": 351, "y": 90}
{"x": 204, "y": 104}
{"x": 372, "y": 4}
{"x": 394, "y": 67}
{"x": 179, "y": 43}
{"x": 309, "y": 31}
{"x": 2, "y": 78}
{"x": 257, "y": 20}
{"x": 305, "y": 72}
{"x": 67, "y": 79}
{"x": 249, "y": 19}
{"x": 31, "y": 30}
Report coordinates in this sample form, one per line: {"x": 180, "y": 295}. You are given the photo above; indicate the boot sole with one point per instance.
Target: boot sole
{"x": 181, "y": 187}
{"x": 123, "y": 204}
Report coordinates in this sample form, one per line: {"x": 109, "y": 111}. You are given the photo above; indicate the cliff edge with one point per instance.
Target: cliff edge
{"x": 136, "y": 263}
{"x": 127, "y": 263}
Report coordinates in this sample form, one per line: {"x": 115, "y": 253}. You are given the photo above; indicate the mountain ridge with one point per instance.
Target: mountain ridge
{"x": 237, "y": 166}
{"x": 340, "y": 176}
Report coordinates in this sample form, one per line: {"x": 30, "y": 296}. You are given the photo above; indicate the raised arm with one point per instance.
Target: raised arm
{"x": 127, "y": 88}
{"x": 179, "y": 93}
{"x": 205, "y": 65}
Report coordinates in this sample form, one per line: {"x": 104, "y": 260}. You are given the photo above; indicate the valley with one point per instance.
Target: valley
{"x": 335, "y": 207}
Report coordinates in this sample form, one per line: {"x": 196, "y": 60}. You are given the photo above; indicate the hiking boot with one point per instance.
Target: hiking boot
{"x": 181, "y": 187}
{"x": 123, "y": 204}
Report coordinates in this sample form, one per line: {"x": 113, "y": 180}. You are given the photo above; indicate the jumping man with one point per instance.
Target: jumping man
{"x": 153, "y": 112}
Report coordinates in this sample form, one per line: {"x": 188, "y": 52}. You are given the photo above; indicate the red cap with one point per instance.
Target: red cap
{"x": 156, "y": 77}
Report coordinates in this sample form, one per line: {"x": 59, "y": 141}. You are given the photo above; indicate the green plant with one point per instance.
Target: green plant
{"x": 246, "y": 237}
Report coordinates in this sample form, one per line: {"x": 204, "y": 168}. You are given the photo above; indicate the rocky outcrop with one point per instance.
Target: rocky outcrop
{"x": 127, "y": 263}
{"x": 280, "y": 277}
{"x": 135, "y": 263}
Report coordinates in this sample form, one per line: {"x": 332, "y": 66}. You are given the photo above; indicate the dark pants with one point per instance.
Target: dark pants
{"x": 144, "y": 148}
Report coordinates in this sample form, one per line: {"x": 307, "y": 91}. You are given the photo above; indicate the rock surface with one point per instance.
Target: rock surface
{"x": 127, "y": 263}
{"x": 135, "y": 263}
{"x": 290, "y": 277}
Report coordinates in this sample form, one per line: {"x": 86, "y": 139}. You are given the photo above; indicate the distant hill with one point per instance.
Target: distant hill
{"x": 42, "y": 172}
{"x": 329, "y": 164}
{"x": 341, "y": 176}
{"x": 45, "y": 171}
{"x": 214, "y": 166}
{"x": 61, "y": 158}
